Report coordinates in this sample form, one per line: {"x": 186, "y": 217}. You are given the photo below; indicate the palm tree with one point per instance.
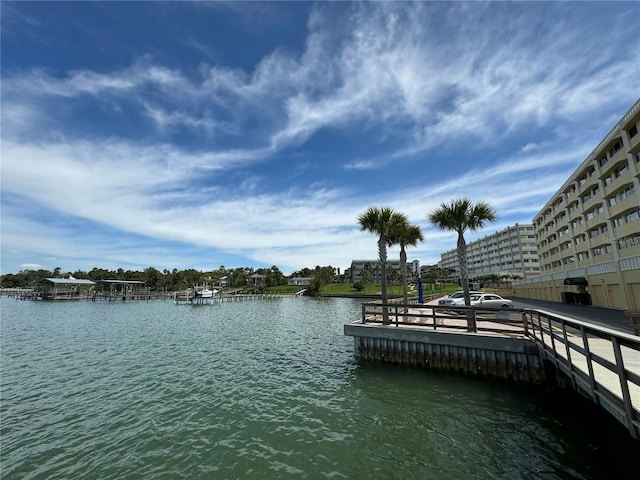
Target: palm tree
{"x": 459, "y": 216}
{"x": 381, "y": 221}
{"x": 405, "y": 235}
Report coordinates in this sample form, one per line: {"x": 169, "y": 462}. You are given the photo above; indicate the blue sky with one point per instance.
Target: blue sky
{"x": 195, "y": 135}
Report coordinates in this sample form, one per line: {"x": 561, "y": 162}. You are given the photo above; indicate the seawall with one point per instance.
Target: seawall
{"x": 510, "y": 358}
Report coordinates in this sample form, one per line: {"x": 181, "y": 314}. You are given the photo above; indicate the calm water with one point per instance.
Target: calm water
{"x": 255, "y": 390}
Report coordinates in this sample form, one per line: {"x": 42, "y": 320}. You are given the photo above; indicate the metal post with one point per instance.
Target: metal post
{"x": 540, "y": 328}
{"x": 553, "y": 341}
{"x": 592, "y": 376}
{"x": 626, "y": 396}
{"x": 566, "y": 345}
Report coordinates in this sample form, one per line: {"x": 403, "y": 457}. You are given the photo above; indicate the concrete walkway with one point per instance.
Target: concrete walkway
{"x": 605, "y": 317}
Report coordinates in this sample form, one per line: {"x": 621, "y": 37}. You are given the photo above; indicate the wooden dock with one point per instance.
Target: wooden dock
{"x": 532, "y": 346}
{"x": 145, "y": 296}
{"x": 184, "y": 298}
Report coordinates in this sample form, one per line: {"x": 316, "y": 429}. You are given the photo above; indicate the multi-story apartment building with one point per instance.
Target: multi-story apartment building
{"x": 511, "y": 251}
{"x": 358, "y": 267}
{"x": 425, "y": 269}
{"x": 588, "y": 233}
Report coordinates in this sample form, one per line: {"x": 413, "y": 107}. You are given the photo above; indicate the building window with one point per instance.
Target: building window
{"x": 621, "y": 169}
{"x": 628, "y": 241}
{"x": 627, "y": 191}
{"x": 596, "y": 211}
{"x": 602, "y": 161}
{"x": 612, "y": 201}
{"x": 631, "y": 216}
{"x": 616, "y": 222}
{"x": 591, "y": 214}
{"x": 633, "y": 131}
{"x": 616, "y": 147}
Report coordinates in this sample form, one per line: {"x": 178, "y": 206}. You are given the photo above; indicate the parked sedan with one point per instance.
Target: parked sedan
{"x": 489, "y": 300}
{"x": 450, "y": 300}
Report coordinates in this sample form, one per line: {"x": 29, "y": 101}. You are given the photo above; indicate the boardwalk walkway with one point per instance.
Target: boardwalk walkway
{"x": 599, "y": 361}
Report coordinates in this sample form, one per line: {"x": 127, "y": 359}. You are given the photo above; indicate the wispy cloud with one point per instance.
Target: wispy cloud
{"x": 406, "y": 104}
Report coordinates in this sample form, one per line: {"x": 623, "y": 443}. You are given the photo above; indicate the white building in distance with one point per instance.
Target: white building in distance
{"x": 512, "y": 251}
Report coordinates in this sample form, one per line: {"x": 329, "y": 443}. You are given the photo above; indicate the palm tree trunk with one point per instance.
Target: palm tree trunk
{"x": 464, "y": 279}
{"x": 382, "y": 256}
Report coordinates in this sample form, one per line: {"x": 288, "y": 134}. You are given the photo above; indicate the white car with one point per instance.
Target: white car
{"x": 489, "y": 300}
{"x": 450, "y": 300}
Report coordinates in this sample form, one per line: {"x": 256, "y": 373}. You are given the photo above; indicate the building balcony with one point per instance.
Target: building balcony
{"x": 614, "y": 164}
{"x": 554, "y": 257}
{"x": 607, "y": 190}
{"x": 597, "y": 220}
{"x": 580, "y": 228}
{"x": 619, "y": 155}
{"x": 626, "y": 204}
{"x": 588, "y": 185}
{"x": 605, "y": 257}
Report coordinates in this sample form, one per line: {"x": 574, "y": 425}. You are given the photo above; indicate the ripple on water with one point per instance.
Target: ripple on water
{"x": 264, "y": 389}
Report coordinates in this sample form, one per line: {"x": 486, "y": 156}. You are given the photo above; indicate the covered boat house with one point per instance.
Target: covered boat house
{"x": 122, "y": 289}
{"x": 64, "y": 288}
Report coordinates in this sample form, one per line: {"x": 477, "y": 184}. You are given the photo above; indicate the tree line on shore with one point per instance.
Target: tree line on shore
{"x": 173, "y": 280}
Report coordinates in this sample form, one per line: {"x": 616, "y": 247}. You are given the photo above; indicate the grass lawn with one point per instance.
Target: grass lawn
{"x": 284, "y": 289}
{"x": 348, "y": 289}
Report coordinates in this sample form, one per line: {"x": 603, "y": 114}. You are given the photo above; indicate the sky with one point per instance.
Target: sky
{"x": 251, "y": 134}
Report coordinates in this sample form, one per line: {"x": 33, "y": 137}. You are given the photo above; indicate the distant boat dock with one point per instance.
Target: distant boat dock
{"x": 56, "y": 289}
{"x": 83, "y": 289}
{"x": 191, "y": 297}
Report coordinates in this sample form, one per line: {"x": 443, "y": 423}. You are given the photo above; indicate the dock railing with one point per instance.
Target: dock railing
{"x": 600, "y": 362}
{"x": 448, "y": 317}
